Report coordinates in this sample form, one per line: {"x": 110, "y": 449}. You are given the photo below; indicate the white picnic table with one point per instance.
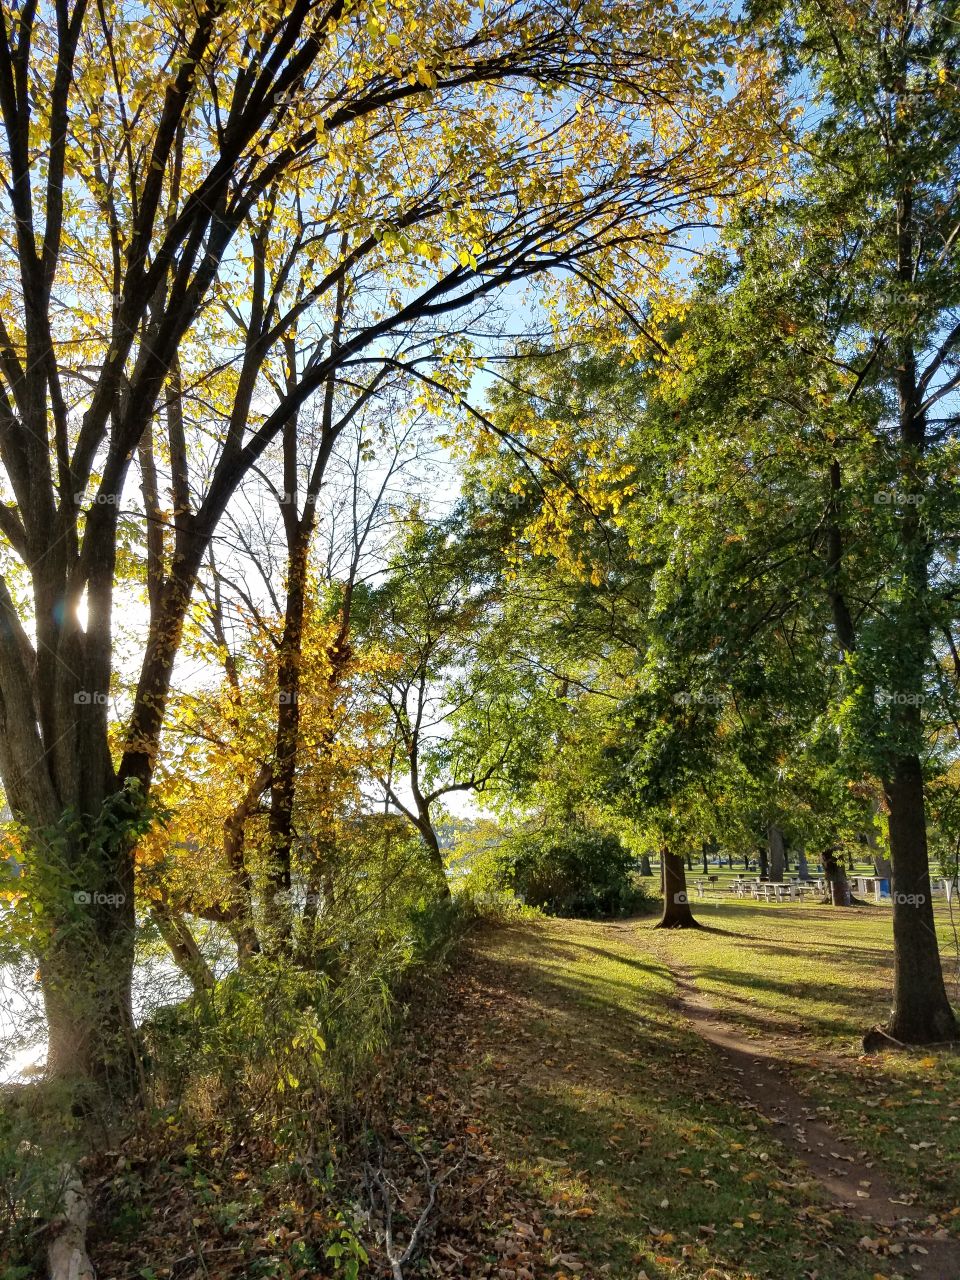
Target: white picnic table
{"x": 771, "y": 891}
{"x": 872, "y": 886}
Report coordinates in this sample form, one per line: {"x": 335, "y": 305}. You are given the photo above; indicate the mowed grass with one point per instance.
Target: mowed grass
{"x": 614, "y": 1116}
{"x": 810, "y": 980}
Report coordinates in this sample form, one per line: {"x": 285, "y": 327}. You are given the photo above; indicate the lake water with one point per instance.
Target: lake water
{"x": 23, "y": 1047}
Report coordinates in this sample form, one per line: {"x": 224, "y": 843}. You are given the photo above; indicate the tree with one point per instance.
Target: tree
{"x": 882, "y": 185}
{"x": 189, "y": 199}
{"x": 431, "y": 616}
{"x": 816, "y": 382}
{"x": 786, "y": 489}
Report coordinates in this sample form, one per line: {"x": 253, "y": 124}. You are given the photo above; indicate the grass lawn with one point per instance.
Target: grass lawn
{"x": 611, "y": 1111}
{"x": 582, "y": 1126}
{"x": 812, "y": 979}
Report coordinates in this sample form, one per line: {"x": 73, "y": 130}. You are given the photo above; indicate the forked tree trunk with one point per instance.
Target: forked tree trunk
{"x": 837, "y": 882}
{"x": 183, "y": 946}
{"x": 921, "y": 1012}
{"x": 676, "y": 905}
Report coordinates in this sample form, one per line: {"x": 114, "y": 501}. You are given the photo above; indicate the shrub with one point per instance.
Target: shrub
{"x": 39, "y": 1137}
{"x": 575, "y": 871}
{"x": 306, "y": 1023}
{"x": 481, "y": 889}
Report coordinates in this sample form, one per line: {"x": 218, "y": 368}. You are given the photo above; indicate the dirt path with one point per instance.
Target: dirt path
{"x": 838, "y": 1168}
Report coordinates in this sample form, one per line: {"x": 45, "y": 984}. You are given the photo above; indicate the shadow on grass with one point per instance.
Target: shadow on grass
{"x": 635, "y": 1119}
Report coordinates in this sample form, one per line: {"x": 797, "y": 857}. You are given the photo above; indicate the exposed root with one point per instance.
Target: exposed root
{"x": 878, "y": 1038}
{"x": 67, "y": 1253}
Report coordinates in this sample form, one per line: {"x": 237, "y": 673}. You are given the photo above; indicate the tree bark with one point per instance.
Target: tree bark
{"x": 836, "y": 874}
{"x": 676, "y": 905}
{"x": 645, "y": 869}
{"x": 436, "y": 855}
{"x": 286, "y": 741}
{"x": 921, "y": 1012}
{"x": 183, "y": 947}
{"x": 777, "y": 852}
{"x": 803, "y": 871}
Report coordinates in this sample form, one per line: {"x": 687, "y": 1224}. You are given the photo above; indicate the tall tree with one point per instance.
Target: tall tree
{"x": 181, "y": 193}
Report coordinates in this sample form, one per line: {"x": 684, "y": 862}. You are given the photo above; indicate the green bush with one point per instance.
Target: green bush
{"x": 480, "y": 888}
{"x": 306, "y": 1022}
{"x": 575, "y": 871}
{"x": 38, "y": 1140}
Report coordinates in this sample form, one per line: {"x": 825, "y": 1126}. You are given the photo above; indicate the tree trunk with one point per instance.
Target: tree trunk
{"x": 882, "y": 866}
{"x": 763, "y": 861}
{"x": 645, "y": 869}
{"x": 676, "y": 906}
{"x": 777, "y": 854}
{"x": 241, "y": 902}
{"x": 433, "y": 849}
{"x": 803, "y": 871}
{"x": 183, "y": 947}
{"x": 287, "y": 738}
{"x": 836, "y": 875}
{"x": 705, "y": 850}
{"x": 86, "y": 974}
{"x": 921, "y": 1012}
